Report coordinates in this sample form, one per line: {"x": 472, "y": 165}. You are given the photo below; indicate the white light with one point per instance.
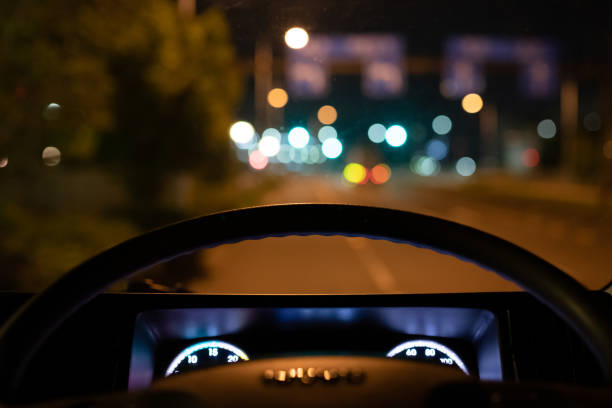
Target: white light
{"x": 396, "y": 136}
{"x": 430, "y": 345}
{"x": 466, "y": 166}
{"x": 51, "y": 156}
{"x": 441, "y": 124}
{"x": 296, "y": 38}
{"x": 327, "y": 132}
{"x": 376, "y": 133}
{"x": 427, "y": 166}
{"x": 313, "y": 155}
{"x": 332, "y": 148}
{"x": 298, "y": 137}
{"x": 269, "y": 146}
{"x": 199, "y": 346}
{"x": 284, "y": 154}
{"x": 547, "y": 129}
{"x": 272, "y": 132}
{"x": 52, "y": 111}
{"x": 242, "y": 132}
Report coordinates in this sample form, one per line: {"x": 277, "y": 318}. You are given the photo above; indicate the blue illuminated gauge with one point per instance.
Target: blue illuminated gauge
{"x": 205, "y": 354}
{"x": 428, "y": 351}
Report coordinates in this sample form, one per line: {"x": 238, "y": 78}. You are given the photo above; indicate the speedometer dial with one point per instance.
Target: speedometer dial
{"x": 205, "y": 354}
{"x": 429, "y": 352}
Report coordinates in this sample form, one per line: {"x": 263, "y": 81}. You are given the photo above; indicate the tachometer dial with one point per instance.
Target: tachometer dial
{"x": 205, "y": 354}
{"x": 429, "y": 352}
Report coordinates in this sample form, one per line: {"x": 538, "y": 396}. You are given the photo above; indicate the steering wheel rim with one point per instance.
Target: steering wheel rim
{"x": 27, "y": 329}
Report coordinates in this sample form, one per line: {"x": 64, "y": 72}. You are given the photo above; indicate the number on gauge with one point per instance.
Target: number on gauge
{"x": 429, "y": 352}
{"x": 205, "y": 354}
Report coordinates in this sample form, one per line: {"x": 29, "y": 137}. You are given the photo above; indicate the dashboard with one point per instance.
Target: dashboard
{"x": 129, "y": 340}
{"x": 172, "y": 342}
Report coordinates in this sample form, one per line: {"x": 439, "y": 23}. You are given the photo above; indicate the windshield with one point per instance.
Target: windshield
{"x": 120, "y": 116}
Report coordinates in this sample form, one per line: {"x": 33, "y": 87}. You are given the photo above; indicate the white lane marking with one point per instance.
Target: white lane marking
{"x": 378, "y": 272}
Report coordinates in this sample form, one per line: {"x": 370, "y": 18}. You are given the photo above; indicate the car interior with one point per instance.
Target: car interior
{"x": 305, "y": 203}
{"x": 547, "y": 346}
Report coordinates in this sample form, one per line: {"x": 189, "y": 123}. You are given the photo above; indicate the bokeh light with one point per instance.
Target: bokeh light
{"x": 242, "y": 132}
{"x": 296, "y": 38}
{"x": 355, "y": 173}
{"x": 592, "y": 122}
{"x": 3, "y": 162}
{"x": 327, "y": 132}
{"x": 327, "y": 114}
{"x": 272, "y": 132}
{"x": 332, "y": 148}
{"x": 448, "y": 88}
{"x": 52, "y": 111}
{"x": 284, "y": 154}
{"x": 298, "y": 137}
{"x": 547, "y": 129}
{"x": 314, "y": 153}
{"x": 442, "y": 124}
{"x": 437, "y": 149}
{"x": 466, "y": 166}
{"x": 396, "y": 136}
{"x": 295, "y": 155}
{"x": 258, "y": 160}
{"x": 530, "y": 157}
{"x": 51, "y": 156}
{"x": 269, "y": 146}
{"x": 376, "y": 133}
{"x": 380, "y": 174}
{"x": 472, "y": 103}
{"x": 427, "y": 166}
{"x": 277, "y": 97}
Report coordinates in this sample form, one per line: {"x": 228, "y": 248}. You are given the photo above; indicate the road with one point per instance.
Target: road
{"x": 576, "y": 241}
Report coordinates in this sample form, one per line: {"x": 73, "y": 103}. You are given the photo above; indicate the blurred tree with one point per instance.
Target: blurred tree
{"x": 142, "y": 90}
{"x": 159, "y": 86}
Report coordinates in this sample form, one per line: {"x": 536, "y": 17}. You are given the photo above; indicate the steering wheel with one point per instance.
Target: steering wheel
{"x": 386, "y": 381}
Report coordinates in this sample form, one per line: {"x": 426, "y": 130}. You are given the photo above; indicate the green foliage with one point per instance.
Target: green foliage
{"x": 40, "y": 246}
{"x": 145, "y": 94}
{"x": 154, "y": 89}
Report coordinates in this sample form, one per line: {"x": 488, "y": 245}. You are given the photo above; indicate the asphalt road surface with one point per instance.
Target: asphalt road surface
{"x": 576, "y": 241}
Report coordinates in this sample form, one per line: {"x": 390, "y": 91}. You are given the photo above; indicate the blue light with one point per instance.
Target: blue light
{"x": 396, "y": 136}
{"x": 442, "y": 124}
{"x": 376, "y": 133}
{"x": 430, "y": 344}
{"x": 437, "y": 149}
{"x": 203, "y": 345}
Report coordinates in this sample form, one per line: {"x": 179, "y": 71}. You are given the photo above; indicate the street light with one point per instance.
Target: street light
{"x": 296, "y": 38}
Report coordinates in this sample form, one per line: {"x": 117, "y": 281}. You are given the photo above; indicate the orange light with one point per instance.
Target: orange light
{"x": 327, "y": 114}
{"x": 380, "y": 174}
{"x": 530, "y": 157}
{"x": 472, "y": 103}
{"x": 277, "y": 98}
